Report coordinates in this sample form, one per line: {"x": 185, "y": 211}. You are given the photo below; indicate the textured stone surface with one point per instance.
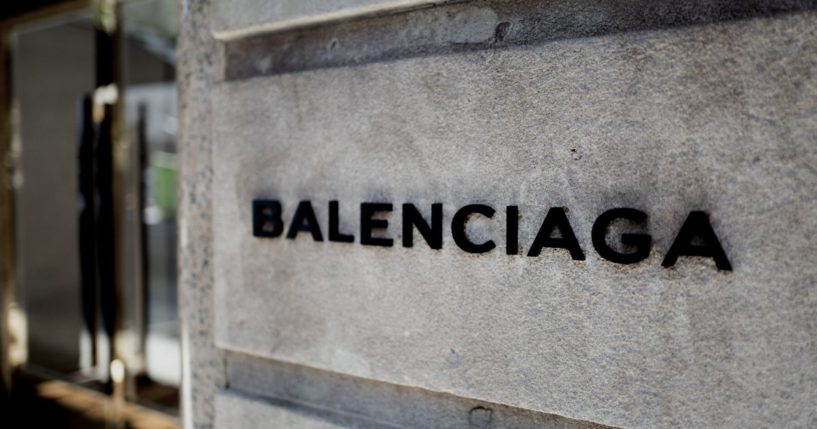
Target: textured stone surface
{"x": 457, "y": 27}
{"x": 236, "y": 412}
{"x": 357, "y": 402}
{"x": 199, "y": 66}
{"x": 717, "y": 117}
{"x": 240, "y": 17}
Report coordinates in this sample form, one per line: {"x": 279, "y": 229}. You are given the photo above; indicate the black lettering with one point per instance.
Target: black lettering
{"x": 367, "y": 224}
{"x": 556, "y": 219}
{"x": 334, "y": 225}
{"x": 641, "y": 242}
{"x": 305, "y": 220}
{"x": 512, "y": 230}
{"x": 266, "y": 218}
{"x": 697, "y": 225}
{"x": 432, "y": 234}
{"x": 458, "y": 228}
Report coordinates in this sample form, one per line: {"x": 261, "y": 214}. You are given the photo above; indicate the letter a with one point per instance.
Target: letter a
{"x": 697, "y": 225}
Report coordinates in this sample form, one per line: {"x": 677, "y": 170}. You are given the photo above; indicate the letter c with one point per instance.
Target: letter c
{"x": 458, "y": 228}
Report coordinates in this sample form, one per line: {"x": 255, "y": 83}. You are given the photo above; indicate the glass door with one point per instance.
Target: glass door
{"x": 94, "y": 146}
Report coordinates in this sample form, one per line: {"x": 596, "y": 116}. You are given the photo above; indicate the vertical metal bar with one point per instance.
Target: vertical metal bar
{"x": 87, "y": 221}
{"x": 7, "y": 242}
{"x": 108, "y": 79}
{"x": 142, "y": 177}
{"x": 106, "y": 231}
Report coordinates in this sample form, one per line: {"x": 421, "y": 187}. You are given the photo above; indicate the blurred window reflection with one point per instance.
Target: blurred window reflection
{"x": 60, "y": 146}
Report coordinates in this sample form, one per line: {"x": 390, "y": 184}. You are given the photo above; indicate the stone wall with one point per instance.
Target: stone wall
{"x": 699, "y": 115}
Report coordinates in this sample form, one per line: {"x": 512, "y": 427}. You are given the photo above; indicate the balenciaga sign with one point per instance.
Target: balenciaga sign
{"x": 695, "y": 237}
{"x": 475, "y": 237}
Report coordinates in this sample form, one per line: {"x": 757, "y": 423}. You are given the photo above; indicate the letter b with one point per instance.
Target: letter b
{"x": 266, "y": 218}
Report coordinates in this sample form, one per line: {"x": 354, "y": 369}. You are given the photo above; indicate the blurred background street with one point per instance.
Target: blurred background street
{"x": 89, "y": 223}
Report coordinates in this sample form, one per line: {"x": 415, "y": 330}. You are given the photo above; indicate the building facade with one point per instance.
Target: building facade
{"x": 498, "y": 213}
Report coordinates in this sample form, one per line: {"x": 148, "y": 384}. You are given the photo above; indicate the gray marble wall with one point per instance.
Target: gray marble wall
{"x": 665, "y": 107}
